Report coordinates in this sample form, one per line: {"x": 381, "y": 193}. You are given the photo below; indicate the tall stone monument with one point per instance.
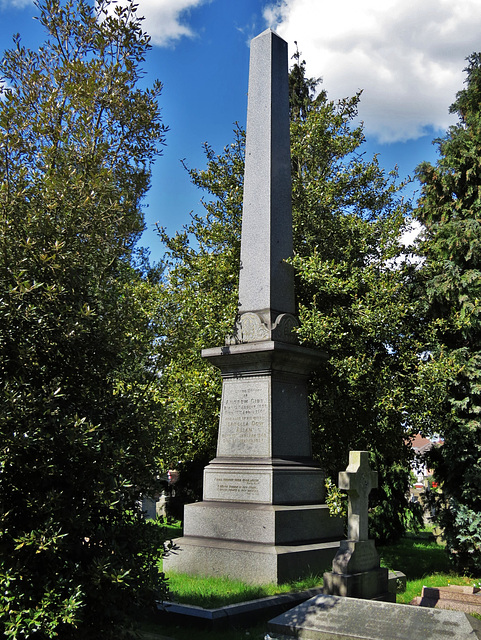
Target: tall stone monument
{"x": 262, "y": 518}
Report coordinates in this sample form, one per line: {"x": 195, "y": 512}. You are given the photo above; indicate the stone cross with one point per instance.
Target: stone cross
{"x": 358, "y": 480}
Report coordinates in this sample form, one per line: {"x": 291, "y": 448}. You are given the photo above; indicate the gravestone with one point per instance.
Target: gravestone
{"x": 459, "y": 598}
{"x": 263, "y": 516}
{"x": 328, "y": 617}
{"x": 356, "y": 571}
{"x": 154, "y": 508}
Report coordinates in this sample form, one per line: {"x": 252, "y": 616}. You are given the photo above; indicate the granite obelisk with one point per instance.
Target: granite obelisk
{"x": 262, "y": 518}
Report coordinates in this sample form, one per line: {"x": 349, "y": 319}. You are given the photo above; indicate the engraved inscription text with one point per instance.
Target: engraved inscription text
{"x": 244, "y": 420}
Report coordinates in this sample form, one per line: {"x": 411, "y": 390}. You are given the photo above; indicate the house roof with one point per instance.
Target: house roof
{"x": 420, "y": 444}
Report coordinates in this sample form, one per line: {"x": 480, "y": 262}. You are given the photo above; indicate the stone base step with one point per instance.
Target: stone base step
{"x": 371, "y": 584}
{"x": 247, "y": 561}
{"x": 262, "y": 523}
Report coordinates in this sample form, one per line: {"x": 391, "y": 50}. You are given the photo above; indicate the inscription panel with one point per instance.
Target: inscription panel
{"x": 237, "y": 486}
{"x": 244, "y": 428}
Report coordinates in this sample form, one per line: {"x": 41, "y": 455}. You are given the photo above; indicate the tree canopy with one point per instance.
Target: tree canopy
{"x": 450, "y": 211}
{"x": 78, "y": 441}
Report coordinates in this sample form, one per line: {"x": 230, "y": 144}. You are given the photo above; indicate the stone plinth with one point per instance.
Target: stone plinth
{"x": 372, "y": 585}
{"x": 261, "y": 523}
{"x": 262, "y": 517}
{"x": 264, "y": 410}
{"x": 356, "y": 572}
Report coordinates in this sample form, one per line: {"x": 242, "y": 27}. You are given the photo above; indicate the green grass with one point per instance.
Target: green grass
{"x": 419, "y": 556}
{"x": 425, "y": 563}
{"x": 210, "y": 592}
{"x": 169, "y": 530}
{"x": 416, "y": 556}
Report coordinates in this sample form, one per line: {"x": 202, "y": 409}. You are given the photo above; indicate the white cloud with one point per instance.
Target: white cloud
{"x": 165, "y": 20}
{"x": 406, "y": 55}
{"x": 17, "y": 4}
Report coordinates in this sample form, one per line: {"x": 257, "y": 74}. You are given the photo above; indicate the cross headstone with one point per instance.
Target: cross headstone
{"x": 356, "y": 571}
{"x": 358, "y": 480}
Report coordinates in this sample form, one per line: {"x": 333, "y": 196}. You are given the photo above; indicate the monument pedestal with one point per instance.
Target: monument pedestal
{"x": 250, "y": 562}
{"x": 356, "y": 572}
{"x": 262, "y": 518}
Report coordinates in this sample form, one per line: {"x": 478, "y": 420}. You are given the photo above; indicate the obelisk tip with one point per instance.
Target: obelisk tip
{"x": 267, "y": 32}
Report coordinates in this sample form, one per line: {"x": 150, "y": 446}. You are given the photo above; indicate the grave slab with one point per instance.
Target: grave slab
{"x": 457, "y": 598}
{"x": 334, "y": 618}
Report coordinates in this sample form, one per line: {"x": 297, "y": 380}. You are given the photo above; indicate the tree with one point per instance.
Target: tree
{"x": 353, "y": 289}
{"x": 78, "y": 443}
{"x": 450, "y": 210}
{"x": 352, "y": 300}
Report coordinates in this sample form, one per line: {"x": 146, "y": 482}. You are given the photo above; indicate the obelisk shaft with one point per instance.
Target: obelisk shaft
{"x": 266, "y": 280}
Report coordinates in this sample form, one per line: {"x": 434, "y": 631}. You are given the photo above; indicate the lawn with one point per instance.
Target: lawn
{"x": 212, "y": 593}
{"x": 419, "y": 556}
{"x": 424, "y": 562}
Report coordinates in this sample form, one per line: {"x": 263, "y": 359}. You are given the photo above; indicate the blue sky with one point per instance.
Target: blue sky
{"x": 406, "y": 55}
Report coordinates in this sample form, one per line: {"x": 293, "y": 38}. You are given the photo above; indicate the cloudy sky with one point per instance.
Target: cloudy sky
{"x": 406, "y": 55}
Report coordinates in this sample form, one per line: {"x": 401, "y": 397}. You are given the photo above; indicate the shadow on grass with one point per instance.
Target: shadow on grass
{"x": 176, "y": 632}
{"x": 416, "y": 556}
{"x": 169, "y": 530}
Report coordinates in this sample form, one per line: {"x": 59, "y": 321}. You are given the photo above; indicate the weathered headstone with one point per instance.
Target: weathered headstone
{"x": 333, "y": 618}
{"x": 263, "y": 517}
{"x": 356, "y": 571}
{"x": 154, "y": 508}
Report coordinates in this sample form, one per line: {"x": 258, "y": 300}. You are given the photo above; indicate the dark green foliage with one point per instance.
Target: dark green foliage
{"x": 450, "y": 210}
{"x": 390, "y": 514}
{"x": 353, "y": 285}
{"x": 77, "y": 438}
{"x": 352, "y": 292}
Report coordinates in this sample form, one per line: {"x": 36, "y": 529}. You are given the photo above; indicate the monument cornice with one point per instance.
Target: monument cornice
{"x": 264, "y": 356}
